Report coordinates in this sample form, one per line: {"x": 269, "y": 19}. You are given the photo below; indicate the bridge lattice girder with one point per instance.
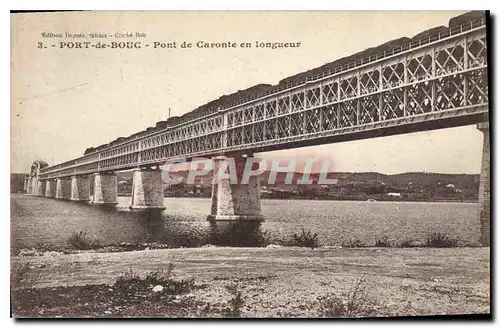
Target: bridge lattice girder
{"x": 441, "y": 81}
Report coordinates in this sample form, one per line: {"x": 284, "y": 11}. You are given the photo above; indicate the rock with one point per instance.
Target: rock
{"x": 473, "y": 244}
{"x": 416, "y": 243}
{"x": 273, "y": 246}
{"x": 28, "y": 252}
{"x": 330, "y": 247}
{"x": 158, "y": 289}
{"x": 52, "y": 253}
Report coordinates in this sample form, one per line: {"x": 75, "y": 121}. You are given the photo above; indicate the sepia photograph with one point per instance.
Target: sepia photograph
{"x": 250, "y": 164}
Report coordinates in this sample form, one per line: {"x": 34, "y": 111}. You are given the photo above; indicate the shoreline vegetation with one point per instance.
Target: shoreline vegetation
{"x": 239, "y": 236}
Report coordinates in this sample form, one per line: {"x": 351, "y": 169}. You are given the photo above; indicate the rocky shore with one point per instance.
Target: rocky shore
{"x": 253, "y": 282}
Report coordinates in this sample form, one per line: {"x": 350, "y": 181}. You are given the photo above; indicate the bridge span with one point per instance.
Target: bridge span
{"x": 435, "y": 80}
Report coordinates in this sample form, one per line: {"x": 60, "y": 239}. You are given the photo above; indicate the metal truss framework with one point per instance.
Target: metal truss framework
{"x": 442, "y": 79}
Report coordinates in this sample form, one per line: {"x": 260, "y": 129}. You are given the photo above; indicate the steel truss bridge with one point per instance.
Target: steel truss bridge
{"x": 434, "y": 83}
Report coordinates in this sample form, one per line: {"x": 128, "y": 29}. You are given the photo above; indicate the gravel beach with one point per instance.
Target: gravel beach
{"x": 273, "y": 281}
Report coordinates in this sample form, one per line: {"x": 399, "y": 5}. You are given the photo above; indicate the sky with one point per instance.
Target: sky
{"x": 65, "y": 100}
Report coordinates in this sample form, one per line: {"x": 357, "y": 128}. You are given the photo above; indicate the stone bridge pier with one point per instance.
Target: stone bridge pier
{"x": 105, "y": 189}
{"x": 63, "y": 188}
{"x": 40, "y": 189}
{"x": 235, "y": 199}
{"x": 50, "y": 188}
{"x": 80, "y": 189}
{"x": 484, "y": 186}
{"x": 32, "y": 186}
{"x": 147, "y": 189}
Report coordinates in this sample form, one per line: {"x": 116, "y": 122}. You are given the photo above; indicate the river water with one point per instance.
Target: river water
{"x": 37, "y": 220}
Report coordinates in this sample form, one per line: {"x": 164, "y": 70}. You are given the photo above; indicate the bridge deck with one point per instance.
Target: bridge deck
{"x": 436, "y": 83}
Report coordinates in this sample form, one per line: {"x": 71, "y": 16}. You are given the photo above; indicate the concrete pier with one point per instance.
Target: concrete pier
{"x": 63, "y": 188}
{"x": 32, "y": 186}
{"x": 485, "y": 186}
{"x": 234, "y": 201}
{"x": 41, "y": 186}
{"x": 147, "y": 190}
{"x": 35, "y": 185}
{"x": 80, "y": 189}
{"x": 50, "y": 189}
{"x": 105, "y": 189}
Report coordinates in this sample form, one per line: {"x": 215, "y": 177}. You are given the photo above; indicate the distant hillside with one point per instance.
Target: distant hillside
{"x": 461, "y": 181}
{"x": 402, "y": 180}
{"x": 418, "y": 179}
{"x": 412, "y": 186}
